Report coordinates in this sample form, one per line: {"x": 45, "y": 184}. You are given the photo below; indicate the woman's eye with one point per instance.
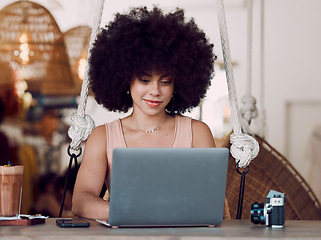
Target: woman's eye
{"x": 166, "y": 82}
{"x": 144, "y": 80}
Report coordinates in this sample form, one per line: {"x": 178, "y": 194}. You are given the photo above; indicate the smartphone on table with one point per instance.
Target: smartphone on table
{"x": 72, "y": 222}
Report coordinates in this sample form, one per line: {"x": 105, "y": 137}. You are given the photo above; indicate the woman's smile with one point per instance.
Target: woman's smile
{"x": 152, "y": 103}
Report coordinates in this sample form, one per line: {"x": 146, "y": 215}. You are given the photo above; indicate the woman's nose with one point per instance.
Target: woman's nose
{"x": 154, "y": 88}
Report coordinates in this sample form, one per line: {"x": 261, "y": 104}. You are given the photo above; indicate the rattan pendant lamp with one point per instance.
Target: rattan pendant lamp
{"x": 33, "y": 45}
{"x": 77, "y": 44}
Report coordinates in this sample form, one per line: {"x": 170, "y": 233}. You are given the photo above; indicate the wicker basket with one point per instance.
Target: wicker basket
{"x": 28, "y": 28}
{"x": 77, "y": 44}
{"x": 270, "y": 170}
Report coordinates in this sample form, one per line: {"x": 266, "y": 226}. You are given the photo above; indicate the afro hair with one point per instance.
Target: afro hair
{"x": 145, "y": 40}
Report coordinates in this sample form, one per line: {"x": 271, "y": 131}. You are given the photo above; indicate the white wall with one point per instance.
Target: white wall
{"x": 292, "y": 57}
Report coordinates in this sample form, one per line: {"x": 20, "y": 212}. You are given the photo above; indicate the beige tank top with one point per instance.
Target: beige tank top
{"x": 115, "y": 138}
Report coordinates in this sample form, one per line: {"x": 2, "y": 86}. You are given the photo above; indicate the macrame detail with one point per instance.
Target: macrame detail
{"x": 83, "y": 124}
{"x": 244, "y": 147}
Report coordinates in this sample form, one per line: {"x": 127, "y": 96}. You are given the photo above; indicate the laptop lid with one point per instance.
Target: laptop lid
{"x": 168, "y": 186}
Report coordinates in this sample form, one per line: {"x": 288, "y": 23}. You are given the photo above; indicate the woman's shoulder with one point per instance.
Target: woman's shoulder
{"x": 96, "y": 139}
{"x": 202, "y": 134}
{"x": 98, "y": 132}
{"x": 99, "y": 128}
{"x": 199, "y": 125}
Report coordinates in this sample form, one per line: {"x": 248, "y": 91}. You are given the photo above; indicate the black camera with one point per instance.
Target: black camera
{"x": 271, "y": 213}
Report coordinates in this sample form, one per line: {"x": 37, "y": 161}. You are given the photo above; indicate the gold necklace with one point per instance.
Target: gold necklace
{"x": 149, "y": 131}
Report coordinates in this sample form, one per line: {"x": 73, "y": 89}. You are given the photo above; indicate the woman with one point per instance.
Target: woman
{"x": 158, "y": 65}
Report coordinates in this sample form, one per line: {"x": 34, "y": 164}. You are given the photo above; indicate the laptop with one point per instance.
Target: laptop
{"x": 165, "y": 187}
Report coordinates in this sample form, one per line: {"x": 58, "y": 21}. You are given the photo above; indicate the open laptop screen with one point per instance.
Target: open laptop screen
{"x": 168, "y": 186}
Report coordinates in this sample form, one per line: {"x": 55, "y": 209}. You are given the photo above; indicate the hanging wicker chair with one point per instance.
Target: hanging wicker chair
{"x": 31, "y": 41}
{"x": 77, "y": 44}
{"x": 270, "y": 170}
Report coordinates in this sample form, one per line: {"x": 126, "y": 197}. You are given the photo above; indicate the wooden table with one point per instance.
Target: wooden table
{"x": 230, "y": 229}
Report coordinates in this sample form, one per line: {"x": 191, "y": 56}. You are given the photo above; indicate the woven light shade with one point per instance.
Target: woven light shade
{"x": 32, "y": 43}
{"x": 270, "y": 170}
{"x": 77, "y": 44}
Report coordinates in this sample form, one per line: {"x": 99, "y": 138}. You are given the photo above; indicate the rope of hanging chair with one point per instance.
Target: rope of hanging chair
{"x": 244, "y": 148}
{"x": 248, "y": 109}
{"x": 83, "y": 124}
{"x": 262, "y": 103}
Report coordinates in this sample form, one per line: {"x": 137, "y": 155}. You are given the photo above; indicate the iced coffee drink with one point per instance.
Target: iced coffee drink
{"x": 11, "y": 179}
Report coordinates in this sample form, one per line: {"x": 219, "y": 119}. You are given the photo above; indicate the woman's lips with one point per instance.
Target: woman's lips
{"x": 152, "y": 103}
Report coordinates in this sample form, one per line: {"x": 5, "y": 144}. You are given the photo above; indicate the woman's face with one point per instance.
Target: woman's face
{"x": 151, "y": 92}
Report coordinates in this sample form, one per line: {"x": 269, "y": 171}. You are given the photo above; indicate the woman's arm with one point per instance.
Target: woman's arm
{"x": 202, "y": 135}
{"x": 90, "y": 178}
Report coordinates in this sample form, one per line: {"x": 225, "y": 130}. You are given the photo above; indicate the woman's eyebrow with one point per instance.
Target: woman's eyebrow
{"x": 165, "y": 75}
{"x": 150, "y": 74}
{"x": 146, "y": 74}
